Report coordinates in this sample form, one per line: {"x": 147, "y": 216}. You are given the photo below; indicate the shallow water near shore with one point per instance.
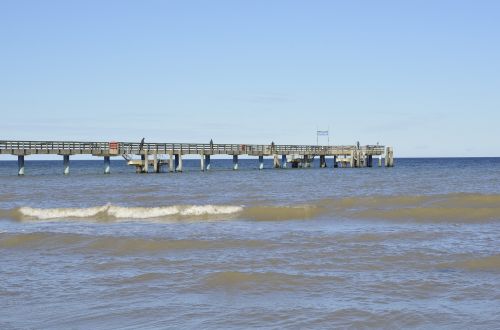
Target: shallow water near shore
{"x": 414, "y": 246}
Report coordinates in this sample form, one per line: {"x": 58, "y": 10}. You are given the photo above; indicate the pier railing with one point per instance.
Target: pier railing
{"x": 119, "y": 148}
{"x": 355, "y": 156}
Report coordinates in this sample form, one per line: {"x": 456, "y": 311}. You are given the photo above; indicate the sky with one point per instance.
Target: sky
{"x": 421, "y": 76}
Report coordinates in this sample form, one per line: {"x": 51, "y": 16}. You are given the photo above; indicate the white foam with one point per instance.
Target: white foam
{"x": 210, "y": 209}
{"x": 124, "y": 212}
{"x": 57, "y": 213}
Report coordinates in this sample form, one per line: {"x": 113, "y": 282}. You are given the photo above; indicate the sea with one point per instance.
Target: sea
{"x": 414, "y": 246}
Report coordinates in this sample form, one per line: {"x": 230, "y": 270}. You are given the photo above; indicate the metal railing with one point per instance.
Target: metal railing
{"x": 185, "y": 148}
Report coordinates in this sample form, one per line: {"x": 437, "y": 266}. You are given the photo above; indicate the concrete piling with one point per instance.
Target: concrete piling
{"x": 171, "y": 164}
{"x": 178, "y": 162}
{"x": 156, "y": 168}
{"x": 20, "y": 165}
{"x": 305, "y": 161}
{"x": 207, "y": 162}
{"x": 389, "y": 157}
{"x": 145, "y": 168}
{"x": 283, "y": 161}
{"x": 261, "y": 162}
{"x": 66, "y": 164}
{"x": 322, "y": 161}
{"x": 235, "y": 162}
{"x": 369, "y": 161}
{"x": 107, "y": 165}
{"x": 276, "y": 161}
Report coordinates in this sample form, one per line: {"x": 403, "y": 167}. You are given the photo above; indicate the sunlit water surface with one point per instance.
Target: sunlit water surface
{"x": 414, "y": 246}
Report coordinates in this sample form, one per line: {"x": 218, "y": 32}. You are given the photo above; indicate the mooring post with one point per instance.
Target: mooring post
{"x": 202, "y": 162}
{"x": 379, "y": 160}
{"x": 283, "y": 161}
{"x": 107, "y": 165}
{"x": 20, "y": 165}
{"x": 207, "y": 162}
{"x": 66, "y": 164}
{"x": 352, "y": 158}
{"x": 261, "y": 162}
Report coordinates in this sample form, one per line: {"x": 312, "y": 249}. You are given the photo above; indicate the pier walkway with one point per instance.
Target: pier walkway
{"x": 159, "y": 155}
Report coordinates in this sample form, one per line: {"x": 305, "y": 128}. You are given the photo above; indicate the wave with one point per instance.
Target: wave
{"x": 117, "y": 245}
{"x": 477, "y": 264}
{"x": 453, "y": 208}
{"x": 273, "y": 213}
{"x": 461, "y": 207}
{"x": 176, "y": 212}
{"x": 110, "y": 212}
{"x": 265, "y": 281}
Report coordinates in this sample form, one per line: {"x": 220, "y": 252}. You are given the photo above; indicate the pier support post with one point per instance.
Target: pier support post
{"x": 207, "y": 162}
{"x": 171, "y": 164}
{"x": 276, "y": 161}
{"x": 20, "y": 165}
{"x": 322, "y": 161}
{"x": 156, "y": 168}
{"x": 305, "y": 161}
{"x": 352, "y": 158}
{"x": 145, "y": 168}
{"x": 178, "y": 162}
{"x": 370, "y": 161}
{"x": 235, "y": 162}
{"x": 261, "y": 162}
{"x": 335, "y": 164}
{"x": 107, "y": 165}
{"x": 66, "y": 164}
{"x": 283, "y": 161}
{"x": 380, "y": 161}
{"x": 202, "y": 162}
{"x": 389, "y": 157}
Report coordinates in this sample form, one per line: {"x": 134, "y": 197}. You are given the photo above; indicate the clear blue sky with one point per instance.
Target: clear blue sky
{"x": 422, "y": 76}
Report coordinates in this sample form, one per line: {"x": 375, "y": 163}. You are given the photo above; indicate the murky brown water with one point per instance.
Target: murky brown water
{"x": 415, "y": 246}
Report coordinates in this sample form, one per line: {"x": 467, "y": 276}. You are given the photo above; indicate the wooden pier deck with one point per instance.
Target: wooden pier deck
{"x": 296, "y": 155}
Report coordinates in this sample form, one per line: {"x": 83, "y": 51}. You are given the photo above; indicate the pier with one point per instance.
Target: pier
{"x": 156, "y": 157}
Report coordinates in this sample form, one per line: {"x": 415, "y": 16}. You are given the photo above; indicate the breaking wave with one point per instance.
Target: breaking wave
{"x": 176, "y": 212}
{"x": 453, "y": 208}
{"x": 108, "y": 212}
